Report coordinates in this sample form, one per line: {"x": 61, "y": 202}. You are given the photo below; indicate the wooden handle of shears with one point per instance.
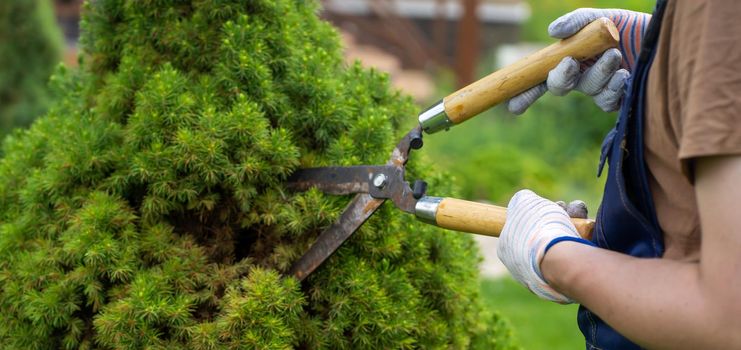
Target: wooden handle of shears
{"x": 514, "y": 79}
{"x": 484, "y": 219}
{"x": 532, "y": 70}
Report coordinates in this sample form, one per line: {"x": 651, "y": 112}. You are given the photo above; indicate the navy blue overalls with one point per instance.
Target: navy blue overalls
{"x": 626, "y": 220}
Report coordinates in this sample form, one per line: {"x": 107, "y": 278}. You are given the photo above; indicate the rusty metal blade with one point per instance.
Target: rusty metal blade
{"x": 358, "y": 179}
{"x": 335, "y": 180}
{"x": 355, "y": 214}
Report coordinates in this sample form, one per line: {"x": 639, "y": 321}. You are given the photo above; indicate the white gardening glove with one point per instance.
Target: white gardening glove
{"x": 604, "y": 80}
{"x": 533, "y": 225}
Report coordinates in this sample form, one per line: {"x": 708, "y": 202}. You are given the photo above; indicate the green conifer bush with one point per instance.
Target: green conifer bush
{"x": 30, "y": 48}
{"x": 146, "y": 209}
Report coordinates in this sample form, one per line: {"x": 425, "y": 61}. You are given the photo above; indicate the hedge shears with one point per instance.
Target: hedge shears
{"x": 374, "y": 184}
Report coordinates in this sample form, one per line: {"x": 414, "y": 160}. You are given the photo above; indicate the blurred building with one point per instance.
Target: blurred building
{"x": 408, "y": 37}
{"x": 424, "y": 32}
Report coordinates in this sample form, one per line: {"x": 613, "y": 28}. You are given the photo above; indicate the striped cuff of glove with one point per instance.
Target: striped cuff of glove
{"x": 631, "y": 25}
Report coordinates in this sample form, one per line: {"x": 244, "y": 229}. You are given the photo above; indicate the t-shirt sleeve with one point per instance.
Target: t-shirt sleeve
{"x": 711, "y": 124}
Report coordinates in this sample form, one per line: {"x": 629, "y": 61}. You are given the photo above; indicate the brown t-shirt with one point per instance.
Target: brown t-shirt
{"x": 693, "y": 110}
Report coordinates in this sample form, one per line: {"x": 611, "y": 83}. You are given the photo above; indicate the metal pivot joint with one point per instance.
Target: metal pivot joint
{"x": 380, "y": 180}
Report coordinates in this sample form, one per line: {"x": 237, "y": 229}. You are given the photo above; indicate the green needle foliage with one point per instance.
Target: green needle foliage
{"x": 146, "y": 209}
{"x": 30, "y": 48}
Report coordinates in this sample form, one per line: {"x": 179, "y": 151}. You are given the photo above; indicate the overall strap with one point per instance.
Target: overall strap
{"x": 626, "y": 221}
{"x": 635, "y": 171}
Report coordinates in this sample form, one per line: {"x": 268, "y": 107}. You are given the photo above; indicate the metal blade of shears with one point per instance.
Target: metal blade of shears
{"x": 355, "y": 214}
{"x": 380, "y": 181}
{"x": 356, "y": 179}
{"x": 335, "y": 180}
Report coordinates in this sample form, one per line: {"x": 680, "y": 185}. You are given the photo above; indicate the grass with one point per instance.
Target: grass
{"x": 537, "y": 324}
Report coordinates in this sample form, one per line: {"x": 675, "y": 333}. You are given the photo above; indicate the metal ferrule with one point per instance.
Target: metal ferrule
{"x": 434, "y": 118}
{"x": 426, "y": 209}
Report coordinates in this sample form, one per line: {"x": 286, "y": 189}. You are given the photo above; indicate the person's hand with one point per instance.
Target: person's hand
{"x": 533, "y": 225}
{"x": 604, "y": 80}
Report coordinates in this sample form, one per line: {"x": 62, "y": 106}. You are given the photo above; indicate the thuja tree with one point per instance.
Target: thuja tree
{"x": 146, "y": 209}
{"x": 30, "y": 47}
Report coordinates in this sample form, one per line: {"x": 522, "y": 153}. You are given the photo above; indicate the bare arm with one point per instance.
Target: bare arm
{"x": 661, "y": 303}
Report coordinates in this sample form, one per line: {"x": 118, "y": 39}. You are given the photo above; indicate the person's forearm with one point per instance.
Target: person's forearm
{"x": 657, "y": 303}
